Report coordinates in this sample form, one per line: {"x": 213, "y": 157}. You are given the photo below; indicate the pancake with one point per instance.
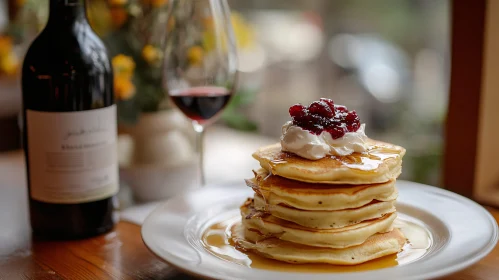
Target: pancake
{"x": 376, "y": 246}
{"x": 381, "y": 163}
{"x": 344, "y": 237}
{"x": 326, "y": 219}
{"x": 306, "y": 196}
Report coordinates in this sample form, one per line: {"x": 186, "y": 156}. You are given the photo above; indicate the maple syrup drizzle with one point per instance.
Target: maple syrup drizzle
{"x": 367, "y": 161}
{"x": 217, "y": 240}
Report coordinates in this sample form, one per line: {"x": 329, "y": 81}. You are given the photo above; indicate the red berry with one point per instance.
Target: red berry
{"x": 351, "y": 116}
{"x": 325, "y": 122}
{"x": 352, "y": 121}
{"x": 336, "y": 132}
{"x": 324, "y": 115}
{"x": 297, "y": 111}
{"x": 328, "y": 102}
{"x": 315, "y": 107}
{"x": 317, "y": 129}
{"x": 321, "y": 108}
{"x": 314, "y": 119}
{"x": 340, "y": 108}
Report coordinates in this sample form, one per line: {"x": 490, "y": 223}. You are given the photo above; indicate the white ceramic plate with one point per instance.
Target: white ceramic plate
{"x": 463, "y": 232}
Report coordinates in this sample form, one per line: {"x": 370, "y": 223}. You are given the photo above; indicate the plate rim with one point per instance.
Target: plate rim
{"x": 462, "y": 264}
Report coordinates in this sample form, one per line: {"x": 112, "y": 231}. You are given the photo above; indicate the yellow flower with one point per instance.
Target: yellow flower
{"x": 243, "y": 33}
{"x": 195, "y": 55}
{"x": 158, "y": 3}
{"x": 123, "y": 88}
{"x": 209, "y": 40}
{"x": 151, "y": 54}
{"x": 99, "y": 17}
{"x": 123, "y": 66}
{"x": 5, "y": 45}
{"x": 9, "y": 64}
{"x": 208, "y": 22}
{"x": 117, "y": 2}
{"x": 118, "y": 16}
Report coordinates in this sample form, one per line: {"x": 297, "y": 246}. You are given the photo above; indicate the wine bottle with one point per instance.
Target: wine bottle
{"x": 69, "y": 133}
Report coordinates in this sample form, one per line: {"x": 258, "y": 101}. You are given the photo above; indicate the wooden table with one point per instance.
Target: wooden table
{"x": 119, "y": 254}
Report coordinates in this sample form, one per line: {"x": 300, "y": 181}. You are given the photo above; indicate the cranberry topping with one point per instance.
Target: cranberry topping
{"x": 321, "y": 108}
{"x": 328, "y": 102}
{"x": 324, "y": 115}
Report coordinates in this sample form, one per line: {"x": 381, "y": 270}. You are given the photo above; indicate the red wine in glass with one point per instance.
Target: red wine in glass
{"x": 201, "y": 104}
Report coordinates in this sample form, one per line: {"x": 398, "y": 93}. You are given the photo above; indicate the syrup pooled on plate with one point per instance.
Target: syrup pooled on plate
{"x": 217, "y": 240}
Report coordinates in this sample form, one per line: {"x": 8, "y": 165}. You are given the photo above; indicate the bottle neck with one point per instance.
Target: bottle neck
{"x": 67, "y": 11}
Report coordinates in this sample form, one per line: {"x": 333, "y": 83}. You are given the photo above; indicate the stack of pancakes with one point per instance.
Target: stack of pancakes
{"x": 337, "y": 210}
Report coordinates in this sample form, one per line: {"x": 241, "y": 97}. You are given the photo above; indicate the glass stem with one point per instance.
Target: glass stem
{"x": 200, "y": 149}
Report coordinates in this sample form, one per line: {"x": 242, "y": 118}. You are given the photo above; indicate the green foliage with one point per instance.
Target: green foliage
{"x": 150, "y": 96}
{"x": 232, "y": 115}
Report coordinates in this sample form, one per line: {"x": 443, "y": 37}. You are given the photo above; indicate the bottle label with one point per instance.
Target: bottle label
{"x": 72, "y": 155}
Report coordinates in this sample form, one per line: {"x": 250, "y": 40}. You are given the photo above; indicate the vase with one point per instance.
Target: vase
{"x": 159, "y": 159}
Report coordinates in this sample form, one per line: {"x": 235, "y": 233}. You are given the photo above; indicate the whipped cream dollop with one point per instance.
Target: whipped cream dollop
{"x": 302, "y": 142}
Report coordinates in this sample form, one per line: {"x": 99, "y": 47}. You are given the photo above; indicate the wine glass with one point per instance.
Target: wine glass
{"x": 200, "y": 66}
